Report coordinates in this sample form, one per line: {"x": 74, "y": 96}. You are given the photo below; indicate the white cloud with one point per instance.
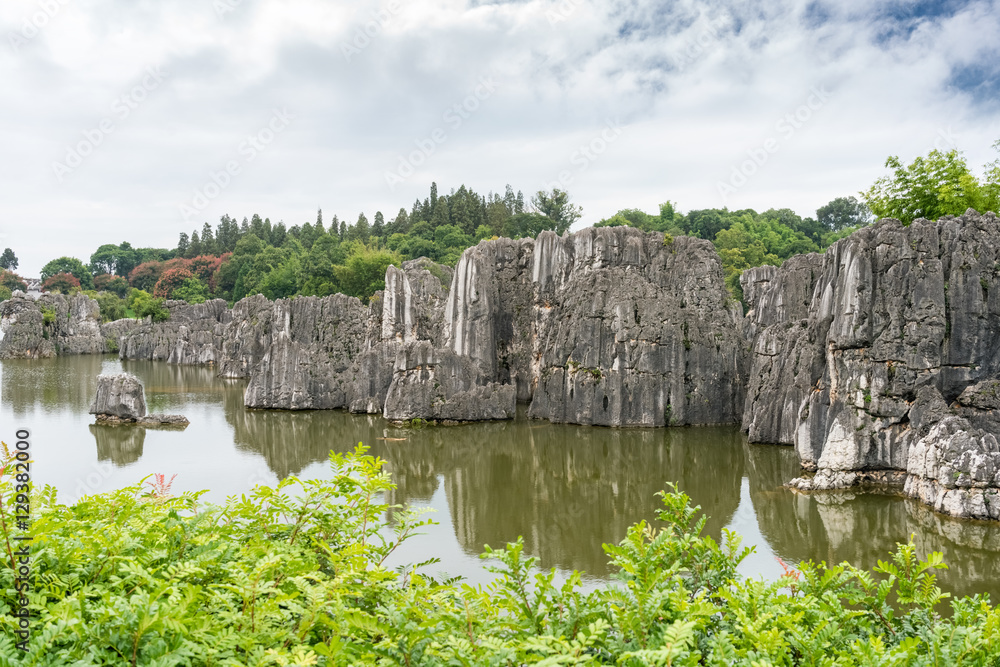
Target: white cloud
{"x": 692, "y": 99}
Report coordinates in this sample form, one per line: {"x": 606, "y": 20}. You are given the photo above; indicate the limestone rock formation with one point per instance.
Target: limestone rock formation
{"x": 410, "y": 309}
{"x": 436, "y": 383}
{"x": 119, "y": 397}
{"x": 633, "y": 332}
{"x": 192, "y": 335}
{"x": 53, "y": 324}
{"x": 889, "y": 369}
{"x": 313, "y": 344}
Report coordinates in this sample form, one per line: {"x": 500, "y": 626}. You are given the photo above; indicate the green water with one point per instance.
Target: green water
{"x": 566, "y": 489}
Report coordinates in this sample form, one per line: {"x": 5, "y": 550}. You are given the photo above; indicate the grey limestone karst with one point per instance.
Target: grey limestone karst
{"x": 121, "y": 398}
{"x": 877, "y": 360}
{"x": 53, "y": 324}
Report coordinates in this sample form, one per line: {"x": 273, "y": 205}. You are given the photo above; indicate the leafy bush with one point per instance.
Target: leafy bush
{"x": 144, "y": 305}
{"x": 295, "y": 574}
{"x": 145, "y": 275}
{"x": 5, "y": 293}
{"x": 69, "y": 265}
{"x": 933, "y": 186}
{"x": 114, "y": 284}
{"x": 170, "y": 280}
{"x": 192, "y": 290}
{"x": 112, "y": 307}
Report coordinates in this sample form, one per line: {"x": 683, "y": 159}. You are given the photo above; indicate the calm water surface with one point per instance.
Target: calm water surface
{"x": 566, "y": 489}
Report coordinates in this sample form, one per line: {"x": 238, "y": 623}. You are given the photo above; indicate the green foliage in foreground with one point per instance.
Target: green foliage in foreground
{"x": 294, "y": 575}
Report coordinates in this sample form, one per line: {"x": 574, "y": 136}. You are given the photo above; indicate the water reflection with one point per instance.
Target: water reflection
{"x": 50, "y": 384}
{"x": 119, "y": 443}
{"x": 863, "y": 528}
{"x": 566, "y": 489}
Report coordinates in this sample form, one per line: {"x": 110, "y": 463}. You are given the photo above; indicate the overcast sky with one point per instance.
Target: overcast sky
{"x": 139, "y": 119}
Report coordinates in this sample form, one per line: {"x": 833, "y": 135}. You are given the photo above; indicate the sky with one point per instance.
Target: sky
{"x": 136, "y": 120}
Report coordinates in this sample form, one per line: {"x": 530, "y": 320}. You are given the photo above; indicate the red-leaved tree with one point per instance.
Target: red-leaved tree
{"x": 12, "y": 281}
{"x": 145, "y": 275}
{"x": 170, "y": 280}
{"x": 61, "y": 282}
{"x": 204, "y": 266}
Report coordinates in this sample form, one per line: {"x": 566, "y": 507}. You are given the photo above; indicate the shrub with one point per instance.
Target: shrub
{"x": 144, "y": 305}
{"x": 295, "y": 574}
{"x": 63, "y": 283}
{"x": 112, "y": 307}
{"x": 192, "y": 290}
{"x": 5, "y": 293}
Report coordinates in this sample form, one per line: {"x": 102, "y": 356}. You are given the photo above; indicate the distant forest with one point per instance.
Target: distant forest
{"x": 237, "y": 259}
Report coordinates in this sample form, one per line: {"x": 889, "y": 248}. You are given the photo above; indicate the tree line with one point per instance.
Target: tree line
{"x": 235, "y": 259}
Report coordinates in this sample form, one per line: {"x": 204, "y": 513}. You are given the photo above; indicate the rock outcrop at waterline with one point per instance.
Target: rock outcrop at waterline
{"x": 606, "y": 326}
{"x": 53, "y": 324}
{"x": 877, "y": 358}
{"x": 121, "y": 398}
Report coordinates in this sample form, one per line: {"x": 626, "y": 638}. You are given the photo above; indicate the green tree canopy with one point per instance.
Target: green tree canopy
{"x": 117, "y": 260}
{"x": 843, "y": 212}
{"x": 933, "y": 186}
{"x": 72, "y": 266}
{"x": 556, "y": 207}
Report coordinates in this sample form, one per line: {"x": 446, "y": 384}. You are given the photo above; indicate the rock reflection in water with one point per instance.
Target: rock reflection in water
{"x": 862, "y": 528}
{"x": 119, "y": 443}
{"x": 566, "y": 489}
{"x": 51, "y": 384}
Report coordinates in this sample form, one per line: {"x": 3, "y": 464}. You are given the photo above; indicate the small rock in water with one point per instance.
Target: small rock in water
{"x": 121, "y": 398}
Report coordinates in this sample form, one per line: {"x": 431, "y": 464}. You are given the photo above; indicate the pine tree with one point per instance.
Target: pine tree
{"x": 208, "y": 245}
{"x": 183, "y": 244}
{"x": 195, "y": 248}
{"x": 378, "y": 227}
{"x": 8, "y": 260}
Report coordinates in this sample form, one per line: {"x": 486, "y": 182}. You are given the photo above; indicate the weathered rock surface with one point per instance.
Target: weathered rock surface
{"x": 436, "y": 383}
{"x": 192, "y": 335}
{"x": 410, "y": 309}
{"x": 313, "y": 344}
{"x": 53, "y": 324}
{"x": 888, "y": 372}
{"x": 633, "y": 332}
{"x": 119, "y": 396}
{"x": 605, "y": 326}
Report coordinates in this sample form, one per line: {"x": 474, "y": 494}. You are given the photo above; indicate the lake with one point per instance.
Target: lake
{"x": 566, "y": 489}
